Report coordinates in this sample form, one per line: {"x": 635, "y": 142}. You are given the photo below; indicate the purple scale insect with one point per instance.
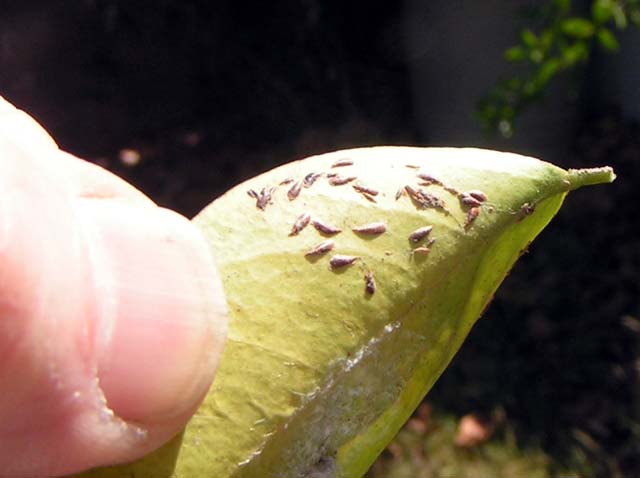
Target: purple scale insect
{"x": 303, "y": 221}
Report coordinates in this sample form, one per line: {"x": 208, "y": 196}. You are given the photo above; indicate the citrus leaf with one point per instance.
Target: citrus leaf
{"x": 330, "y": 352}
{"x": 515, "y": 53}
{"x": 575, "y": 53}
{"x": 608, "y": 39}
{"x": 529, "y": 38}
{"x": 602, "y": 11}
{"x": 578, "y": 27}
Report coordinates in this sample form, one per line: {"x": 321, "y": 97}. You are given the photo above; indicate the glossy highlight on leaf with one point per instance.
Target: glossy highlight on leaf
{"x": 328, "y": 354}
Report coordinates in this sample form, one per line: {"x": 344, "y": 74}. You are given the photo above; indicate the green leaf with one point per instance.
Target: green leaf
{"x": 536, "y": 55}
{"x": 529, "y": 38}
{"x": 577, "y": 27}
{"x": 602, "y": 11}
{"x": 319, "y": 372}
{"x": 575, "y": 53}
{"x": 619, "y": 16}
{"x": 608, "y": 40}
{"x": 548, "y": 70}
{"x": 516, "y": 53}
{"x": 546, "y": 39}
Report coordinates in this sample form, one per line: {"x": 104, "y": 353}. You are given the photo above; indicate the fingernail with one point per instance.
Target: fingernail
{"x": 162, "y": 313}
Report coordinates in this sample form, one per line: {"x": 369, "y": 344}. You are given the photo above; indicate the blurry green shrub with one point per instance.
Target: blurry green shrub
{"x": 561, "y": 41}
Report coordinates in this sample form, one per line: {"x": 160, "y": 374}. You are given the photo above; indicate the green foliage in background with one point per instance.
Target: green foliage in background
{"x": 560, "y": 40}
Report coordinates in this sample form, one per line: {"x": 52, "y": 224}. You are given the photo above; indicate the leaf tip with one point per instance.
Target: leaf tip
{"x": 586, "y": 177}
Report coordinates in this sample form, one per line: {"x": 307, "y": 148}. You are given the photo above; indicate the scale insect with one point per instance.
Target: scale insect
{"x": 302, "y": 222}
{"x": 325, "y": 228}
{"x": 526, "y": 210}
{"x": 433, "y": 201}
{"x": 451, "y": 190}
{"x": 423, "y": 250}
{"x": 365, "y": 190}
{"x": 310, "y": 178}
{"x": 373, "y": 228}
{"x": 338, "y": 261}
{"x": 262, "y": 198}
{"x": 472, "y": 215}
{"x": 477, "y": 194}
{"x": 294, "y": 191}
{"x": 419, "y": 234}
{"x": 370, "y": 283}
{"x": 340, "y": 180}
{"x": 424, "y": 199}
{"x": 369, "y": 198}
{"x": 428, "y": 179}
{"x": 342, "y": 162}
{"x": 472, "y": 198}
{"x": 321, "y": 249}
{"x": 468, "y": 200}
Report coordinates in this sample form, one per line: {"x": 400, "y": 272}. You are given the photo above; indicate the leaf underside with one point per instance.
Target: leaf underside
{"x": 321, "y": 367}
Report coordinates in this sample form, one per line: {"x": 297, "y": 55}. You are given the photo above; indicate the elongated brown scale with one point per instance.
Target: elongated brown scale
{"x": 294, "y": 191}
{"x": 526, "y": 210}
{"x": 373, "y": 228}
{"x": 451, "y": 190}
{"x": 252, "y": 194}
{"x": 264, "y": 198}
{"x": 370, "y": 283}
{"x": 420, "y": 234}
{"x": 422, "y": 251}
{"x": 369, "y": 198}
{"x": 399, "y": 193}
{"x": 325, "y": 228}
{"x": 321, "y": 248}
{"x": 339, "y": 261}
{"x": 433, "y": 201}
{"x": 424, "y": 199}
{"x": 477, "y": 194}
{"x": 310, "y": 178}
{"x": 468, "y": 200}
{"x": 302, "y": 222}
{"x": 364, "y": 189}
{"x": 342, "y": 162}
{"x": 286, "y": 181}
{"x": 472, "y": 215}
{"x": 411, "y": 166}
{"x": 340, "y": 180}
{"x": 415, "y": 196}
{"x": 429, "y": 179}
{"x": 412, "y": 193}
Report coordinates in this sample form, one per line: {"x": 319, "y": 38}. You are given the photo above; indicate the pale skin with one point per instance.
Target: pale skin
{"x": 112, "y": 315}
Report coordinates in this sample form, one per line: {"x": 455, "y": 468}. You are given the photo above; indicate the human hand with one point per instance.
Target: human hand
{"x": 112, "y": 314}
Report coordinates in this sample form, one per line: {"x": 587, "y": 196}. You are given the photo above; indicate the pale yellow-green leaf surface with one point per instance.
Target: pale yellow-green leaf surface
{"x": 323, "y": 365}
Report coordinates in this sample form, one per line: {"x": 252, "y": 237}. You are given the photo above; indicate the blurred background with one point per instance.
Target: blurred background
{"x": 186, "y": 98}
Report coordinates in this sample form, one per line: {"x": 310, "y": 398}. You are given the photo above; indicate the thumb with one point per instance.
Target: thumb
{"x": 112, "y": 315}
